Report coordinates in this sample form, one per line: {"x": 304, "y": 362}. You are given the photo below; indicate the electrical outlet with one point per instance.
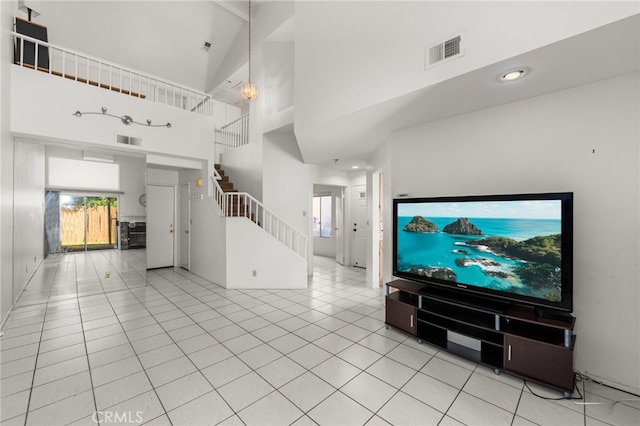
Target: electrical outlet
{"x": 107, "y": 275}
{"x": 254, "y": 273}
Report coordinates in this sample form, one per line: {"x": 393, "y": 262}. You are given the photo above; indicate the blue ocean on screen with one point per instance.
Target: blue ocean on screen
{"x": 483, "y": 267}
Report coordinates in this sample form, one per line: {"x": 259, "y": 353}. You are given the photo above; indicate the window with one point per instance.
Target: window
{"x": 322, "y": 216}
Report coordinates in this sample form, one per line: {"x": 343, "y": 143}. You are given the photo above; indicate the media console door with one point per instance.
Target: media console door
{"x": 401, "y": 315}
{"x": 542, "y": 362}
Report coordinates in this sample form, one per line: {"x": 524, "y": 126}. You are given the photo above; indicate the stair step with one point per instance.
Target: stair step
{"x": 236, "y": 206}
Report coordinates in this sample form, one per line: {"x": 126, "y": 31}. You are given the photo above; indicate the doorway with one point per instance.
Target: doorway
{"x": 327, "y": 222}
{"x": 87, "y": 222}
{"x": 360, "y": 226}
{"x": 185, "y": 227}
{"x": 160, "y": 226}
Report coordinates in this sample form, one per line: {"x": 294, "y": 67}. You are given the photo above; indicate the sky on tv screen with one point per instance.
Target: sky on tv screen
{"x": 529, "y": 209}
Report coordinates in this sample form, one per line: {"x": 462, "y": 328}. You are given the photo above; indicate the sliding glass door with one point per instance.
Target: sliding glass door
{"x": 88, "y": 222}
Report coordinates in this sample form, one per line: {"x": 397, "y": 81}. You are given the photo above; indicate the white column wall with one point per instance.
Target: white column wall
{"x": 28, "y": 213}
{"x": 6, "y": 162}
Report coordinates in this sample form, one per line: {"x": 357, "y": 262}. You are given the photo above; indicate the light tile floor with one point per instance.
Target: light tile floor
{"x": 176, "y": 349}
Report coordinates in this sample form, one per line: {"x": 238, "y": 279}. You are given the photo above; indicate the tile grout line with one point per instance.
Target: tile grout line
{"x": 513, "y": 419}
{"x": 180, "y": 348}
{"x": 181, "y": 299}
{"x": 86, "y": 349}
{"x": 252, "y": 370}
{"x": 35, "y": 365}
{"x": 136, "y": 354}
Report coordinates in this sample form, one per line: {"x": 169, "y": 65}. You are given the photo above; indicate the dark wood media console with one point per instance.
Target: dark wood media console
{"x": 492, "y": 333}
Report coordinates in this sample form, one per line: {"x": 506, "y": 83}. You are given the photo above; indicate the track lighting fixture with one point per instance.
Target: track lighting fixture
{"x": 126, "y": 119}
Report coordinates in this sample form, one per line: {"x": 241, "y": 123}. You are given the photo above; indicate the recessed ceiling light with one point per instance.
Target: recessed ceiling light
{"x": 513, "y": 74}
{"x": 355, "y": 167}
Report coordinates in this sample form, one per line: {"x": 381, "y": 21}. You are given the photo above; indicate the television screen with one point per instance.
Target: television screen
{"x": 515, "y": 247}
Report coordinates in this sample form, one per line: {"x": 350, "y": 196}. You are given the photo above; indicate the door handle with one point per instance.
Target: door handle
{"x": 509, "y": 353}
{"x": 186, "y": 231}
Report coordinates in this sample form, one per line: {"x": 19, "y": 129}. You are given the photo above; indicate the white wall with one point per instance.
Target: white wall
{"x": 162, "y": 176}
{"x": 42, "y": 108}
{"x": 6, "y": 162}
{"x": 224, "y": 113}
{"x": 379, "y": 163}
{"x": 287, "y": 186}
{"x": 243, "y": 165}
{"x": 583, "y": 140}
{"x": 133, "y": 185}
{"x": 278, "y": 75}
{"x": 65, "y": 173}
{"x": 286, "y": 181}
{"x": 28, "y": 213}
{"x": 208, "y": 245}
{"x": 275, "y": 266}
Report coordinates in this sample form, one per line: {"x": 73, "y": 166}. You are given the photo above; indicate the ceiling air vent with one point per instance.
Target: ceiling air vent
{"x": 128, "y": 140}
{"x": 444, "y": 51}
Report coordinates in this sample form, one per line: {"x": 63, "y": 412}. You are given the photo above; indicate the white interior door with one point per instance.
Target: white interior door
{"x": 185, "y": 226}
{"x": 160, "y": 226}
{"x": 360, "y": 226}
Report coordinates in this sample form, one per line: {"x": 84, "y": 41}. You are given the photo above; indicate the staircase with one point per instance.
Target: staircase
{"x": 236, "y": 206}
{"x": 231, "y": 203}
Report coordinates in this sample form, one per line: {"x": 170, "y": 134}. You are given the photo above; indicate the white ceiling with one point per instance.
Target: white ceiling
{"x": 598, "y": 54}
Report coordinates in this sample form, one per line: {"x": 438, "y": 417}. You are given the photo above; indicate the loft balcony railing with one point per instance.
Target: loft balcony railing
{"x": 242, "y": 204}
{"x": 66, "y": 63}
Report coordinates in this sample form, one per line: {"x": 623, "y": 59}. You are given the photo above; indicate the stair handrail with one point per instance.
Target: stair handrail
{"x": 149, "y": 87}
{"x": 243, "y": 204}
{"x": 234, "y": 134}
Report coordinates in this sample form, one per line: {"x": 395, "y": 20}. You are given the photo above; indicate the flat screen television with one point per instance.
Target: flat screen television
{"x": 516, "y": 248}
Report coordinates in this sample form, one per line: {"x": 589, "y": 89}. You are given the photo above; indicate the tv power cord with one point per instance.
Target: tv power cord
{"x": 586, "y": 378}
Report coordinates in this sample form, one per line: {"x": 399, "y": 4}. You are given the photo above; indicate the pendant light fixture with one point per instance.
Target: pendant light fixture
{"x": 249, "y": 90}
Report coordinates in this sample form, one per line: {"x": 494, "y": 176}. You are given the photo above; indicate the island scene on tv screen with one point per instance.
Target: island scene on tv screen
{"x": 508, "y": 246}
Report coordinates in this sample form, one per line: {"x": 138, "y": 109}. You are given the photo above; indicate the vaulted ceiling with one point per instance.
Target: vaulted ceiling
{"x": 166, "y": 38}
{"x": 162, "y": 38}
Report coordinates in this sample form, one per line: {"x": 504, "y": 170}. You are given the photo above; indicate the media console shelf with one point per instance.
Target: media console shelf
{"x": 486, "y": 331}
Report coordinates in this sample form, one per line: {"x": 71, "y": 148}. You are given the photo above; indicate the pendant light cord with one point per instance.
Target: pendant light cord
{"x": 249, "y": 41}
